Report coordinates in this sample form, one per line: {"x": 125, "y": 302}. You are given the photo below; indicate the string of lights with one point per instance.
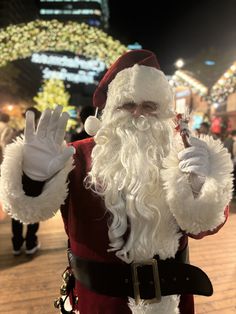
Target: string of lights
{"x": 20, "y": 41}
{"x": 180, "y": 78}
{"x": 219, "y": 92}
{"x": 225, "y": 86}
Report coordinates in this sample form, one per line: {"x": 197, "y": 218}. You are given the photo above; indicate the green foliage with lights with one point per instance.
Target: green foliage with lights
{"x": 225, "y": 86}
{"x": 21, "y": 40}
{"x": 180, "y": 78}
{"x": 53, "y": 93}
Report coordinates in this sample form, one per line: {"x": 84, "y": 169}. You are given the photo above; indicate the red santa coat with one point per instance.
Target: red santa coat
{"x": 85, "y": 219}
{"x": 85, "y": 216}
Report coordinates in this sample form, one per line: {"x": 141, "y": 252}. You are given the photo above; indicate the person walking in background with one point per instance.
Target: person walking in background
{"x": 31, "y": 240}
{"x": 2, "y": 213}
{"x": 233, "y": 134}
{"x": 7, "y": 134}
{"x": 229, "y": 142}
{"x": 6, "y": 137}
{"x": 204, "y": 128}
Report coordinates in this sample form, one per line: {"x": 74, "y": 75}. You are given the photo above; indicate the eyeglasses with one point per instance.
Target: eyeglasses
{"x": 144, "y": 108}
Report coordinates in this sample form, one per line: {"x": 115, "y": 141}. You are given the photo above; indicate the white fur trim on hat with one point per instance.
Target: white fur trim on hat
{"x": 206, "y": 212}
{"x": 26, "y": 208}
{"x": 137, "y": 84}
{"x": 168, "y": 305}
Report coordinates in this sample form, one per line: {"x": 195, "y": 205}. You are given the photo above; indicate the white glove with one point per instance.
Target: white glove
{"x": 195, "y": 159}
{"x": 44, "y": 153}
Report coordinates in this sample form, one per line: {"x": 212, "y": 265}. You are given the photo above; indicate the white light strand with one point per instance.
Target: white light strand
{"x": 196, "y": 85}
{"x": 70, "y": 12}
{"x": 73, "y": 1}
{"x": 69, "y": 62}
{"x": 87, "y": 77}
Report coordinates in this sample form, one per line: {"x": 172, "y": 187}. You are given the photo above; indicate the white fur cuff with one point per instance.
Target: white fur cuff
{"x": 206, "y": 212}
{"x": 26, "y": 208}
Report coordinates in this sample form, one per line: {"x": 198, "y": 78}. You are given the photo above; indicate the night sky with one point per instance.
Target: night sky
{"x": 175, "y": 29}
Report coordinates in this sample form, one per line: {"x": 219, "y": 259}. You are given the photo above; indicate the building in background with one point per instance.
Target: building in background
{"x": 21, "y": 73}
{"x": 92, "y": 12}
{"x": 17, "y": 11}
{"x": 212, "y": 78}
{"x": 80, "y": 73}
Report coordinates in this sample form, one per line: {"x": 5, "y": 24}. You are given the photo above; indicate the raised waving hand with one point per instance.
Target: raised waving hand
{"x": 45, "y": 152}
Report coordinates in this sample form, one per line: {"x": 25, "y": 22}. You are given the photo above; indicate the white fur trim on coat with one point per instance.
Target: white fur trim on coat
{"x": 26, "y": 208}
{"x": 206, "y": 212}
{"x": 168, "y": 305}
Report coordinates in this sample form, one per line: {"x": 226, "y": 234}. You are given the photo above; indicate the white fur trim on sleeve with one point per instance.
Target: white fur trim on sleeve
{"x": 206, "y": 212}
{"x": 26, "y": 208}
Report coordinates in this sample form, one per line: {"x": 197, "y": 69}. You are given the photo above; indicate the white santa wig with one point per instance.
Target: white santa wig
{"x": 127, "y": 157}
{"x": 134, "y": 77}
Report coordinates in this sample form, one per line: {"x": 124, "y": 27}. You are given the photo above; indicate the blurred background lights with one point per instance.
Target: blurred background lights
{"x": 209, "y": 62}
{"x": 179, "y": 63}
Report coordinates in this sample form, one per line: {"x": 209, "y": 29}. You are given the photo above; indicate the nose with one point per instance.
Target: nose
{"x": 138, "y": 111}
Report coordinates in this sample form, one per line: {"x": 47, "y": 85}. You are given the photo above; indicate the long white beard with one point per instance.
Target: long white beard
{"x": 126, "y": 162}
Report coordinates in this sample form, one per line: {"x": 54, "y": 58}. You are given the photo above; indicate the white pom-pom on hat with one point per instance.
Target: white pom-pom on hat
{"x": 92, "y": 124}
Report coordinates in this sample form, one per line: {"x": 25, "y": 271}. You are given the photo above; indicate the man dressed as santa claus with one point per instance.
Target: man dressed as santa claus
{"x": 130, "y": 196}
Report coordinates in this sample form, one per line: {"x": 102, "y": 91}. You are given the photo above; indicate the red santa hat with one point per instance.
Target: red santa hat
{"x": 135, "y": 76}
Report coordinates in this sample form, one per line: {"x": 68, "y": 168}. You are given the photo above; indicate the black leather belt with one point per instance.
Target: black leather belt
{"x": 148, "y": 280}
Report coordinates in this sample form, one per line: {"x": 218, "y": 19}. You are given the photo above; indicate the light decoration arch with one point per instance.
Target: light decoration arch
{"x": 21, "y": 40}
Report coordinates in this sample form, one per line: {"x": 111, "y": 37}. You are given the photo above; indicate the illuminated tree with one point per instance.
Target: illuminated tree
{"x": 53, "y": 93}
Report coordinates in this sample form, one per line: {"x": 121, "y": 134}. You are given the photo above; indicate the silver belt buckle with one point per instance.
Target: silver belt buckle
{"x": 156, "y": 281}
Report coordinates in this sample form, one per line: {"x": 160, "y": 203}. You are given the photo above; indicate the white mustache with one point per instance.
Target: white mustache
{"x": 141, "y": 123}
